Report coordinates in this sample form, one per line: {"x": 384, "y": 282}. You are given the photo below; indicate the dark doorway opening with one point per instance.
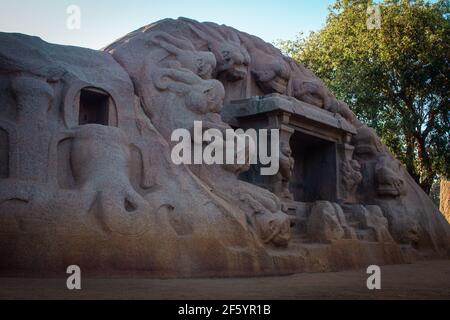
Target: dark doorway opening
{"x": 315, "y": 171}
{"x": 94, "y": 107}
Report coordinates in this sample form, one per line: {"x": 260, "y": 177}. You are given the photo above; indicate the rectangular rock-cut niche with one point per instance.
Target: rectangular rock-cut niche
{"x": 94, "y": 107}
{"x": 4, "y": 154}
{"x": 315, "y": 172}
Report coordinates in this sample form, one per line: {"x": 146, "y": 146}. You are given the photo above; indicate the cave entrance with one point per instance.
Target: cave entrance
{"x": 94, "y": 107}
{"x": 315, "y": 171}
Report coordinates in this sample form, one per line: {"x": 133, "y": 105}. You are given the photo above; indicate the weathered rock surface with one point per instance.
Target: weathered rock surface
{"x": 86, "y": 175}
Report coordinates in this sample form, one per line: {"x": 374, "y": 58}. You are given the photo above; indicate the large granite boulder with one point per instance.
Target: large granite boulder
{"x": 87, "y": 178}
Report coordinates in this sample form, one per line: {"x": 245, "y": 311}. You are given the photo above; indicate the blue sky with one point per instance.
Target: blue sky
{"x": 103, "y": 21}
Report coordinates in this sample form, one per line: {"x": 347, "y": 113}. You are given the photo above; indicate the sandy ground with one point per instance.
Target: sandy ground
{"x": 422, "y": 280}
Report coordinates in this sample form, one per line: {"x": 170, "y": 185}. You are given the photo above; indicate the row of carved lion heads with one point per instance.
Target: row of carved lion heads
{"x": 220, "y": 52}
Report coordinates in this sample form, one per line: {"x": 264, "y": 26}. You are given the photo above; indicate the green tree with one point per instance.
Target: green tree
{"x": 395, "y": 77}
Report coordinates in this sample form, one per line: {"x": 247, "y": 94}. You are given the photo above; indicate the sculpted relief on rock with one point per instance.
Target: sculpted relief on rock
{"x": 85, "y": 142}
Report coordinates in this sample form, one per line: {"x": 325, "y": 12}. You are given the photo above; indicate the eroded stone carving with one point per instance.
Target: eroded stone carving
{"x": 327, "y": 222}
{"x": 199, "y": 62}
{"x": 273, "y": 227}
{"x": 120, "y": 207}
{"x": 108, "y": 196}
{"x": 351, "y": 178}
{"x": 371, "y": 219}
{"x": 231, "y": 56}
{"x": 287, "y": 163}
{"x": 387, "y": 179}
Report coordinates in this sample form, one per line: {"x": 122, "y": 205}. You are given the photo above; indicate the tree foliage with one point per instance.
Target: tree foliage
{"x": 395, "y": 78}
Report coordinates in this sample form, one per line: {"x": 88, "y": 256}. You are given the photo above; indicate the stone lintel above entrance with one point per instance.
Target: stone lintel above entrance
{"x": 298, "y": 112}
{"x": 317, "y": 142}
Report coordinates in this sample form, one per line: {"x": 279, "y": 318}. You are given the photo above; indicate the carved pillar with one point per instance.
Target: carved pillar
{"x": 349, "y": 174}
{"x": 33, "y": 98}
{"x": 280, "y": 182}
{"x": 348, "y": 148}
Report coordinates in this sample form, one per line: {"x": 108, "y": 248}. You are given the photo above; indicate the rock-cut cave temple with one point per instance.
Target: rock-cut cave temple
{"x": 86, "y": 175}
